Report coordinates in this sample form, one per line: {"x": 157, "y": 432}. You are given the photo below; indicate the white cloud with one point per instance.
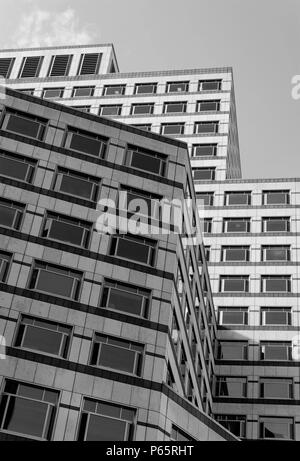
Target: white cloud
{"x": 44, "y": 28}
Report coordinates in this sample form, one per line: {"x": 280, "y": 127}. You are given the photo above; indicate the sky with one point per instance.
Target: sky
{"x": 260, "y": 39}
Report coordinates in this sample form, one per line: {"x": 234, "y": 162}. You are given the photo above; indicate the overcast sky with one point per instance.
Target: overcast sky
{"x": 260, "y": 39}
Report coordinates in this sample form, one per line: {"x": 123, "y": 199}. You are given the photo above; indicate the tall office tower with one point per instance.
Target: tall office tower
{"x": 104, "y": 339}
{"x": 256, "y": 380}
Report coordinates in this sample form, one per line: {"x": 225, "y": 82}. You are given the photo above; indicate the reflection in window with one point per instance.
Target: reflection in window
{"x": 276, "y": 428}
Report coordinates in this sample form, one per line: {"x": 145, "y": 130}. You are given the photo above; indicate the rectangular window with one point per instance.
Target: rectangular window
{"x": 104, "y": 421}
{"x": 11, "y": 214}
{"x": 6, "y": 65}
{"x": 110, "y": 110}
{"x": 86, "y": 143}
{"x": 204, "y": 174}
{"x": 28, "y": 410}
{"x": 204, "y": 150}
{"x": 114, "y": 90}
{"x": 206, "y": 197}
{"x": 276, "y": 388}
{"x": 53, "y": 93}
{"x": 210, "y": 85}
{"x": 237, "y": 198}
{"x": 236, "y": 225}
{"x": 207, "y": 253}
{"x": 145, "y": 88}
{"x": 29, "y": 91}
{"x": 275, "y": 224}
{"x": 276, "y": 316}
{"x": 232, "y": 350}
{"x": 83, "y": 91}
{"x": 77, "y": 185}
{"x": 206, "y": 127}
{"x": 177, "y": 87}
{"x": 174, "y": 107}
{"x": 30, "y": 67}
{"x": 133, "y": 248}
{"x": 24, "y": 124}
{"x": 142, "y": 109}
{"x": 17, "y": 167}
{"x": 145, "y": 127}
{"x": 144, "y": 160}
{"x": 125, "y": 298}
{"x": 140, "y": 202}
{"x": 89, "y": 64}
{"x": 235, "y": 253}
{"x": 234, "y": 283}
{"x": 86, "y": 109}
{"x": 55, "y": 280}
{"x": 275, "y": 350}
{"x": 233, "y": 316}
{"x": 5, "y": 260}
{"x": 229, "y": 386}
{"x": 276, "y": 428}
{"x": 275, "y": 253}
{"x": 276, "y": 197}
{"x": 275, "y": 283}
{"x": 67, "y": 230}
{"x": 208, "y": 105}
{"x": 170, "y": 129}
{"x": 207, "y": 225}
{"x": 60, "y": 65}
{"x": 117, "y": 354}
{"x": 43, "y": 336}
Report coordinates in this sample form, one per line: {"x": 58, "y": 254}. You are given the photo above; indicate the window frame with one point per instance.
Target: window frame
{"x": 168, "y": 104}
{"x": 214, "y": 123}
{"x": 118, "y": 108}
{"x": 266, "y": 248}
{"x": 270, "y": 344}
{"x": 50, "y": 217}
{"x": 121, "y": 86}
{"x": 217, "y": 103}
{"x": 5, "y": 265}
{"x": 43, "y": 123}
{"x": 289, "y": 382}
{"x": 103, "y": 142}
{"x": 137, "y": 86}
{"x": 266, "y": 220}
{"x": 265, "y": 419}
{"x": 209, "y": 81}
{"x": 244, "y": 349}
{"x": 224, "y": 278}
{"x": 150, "y": 106}
{"x": 247, "y": 221}
{"x": 82, "y": 63}
{"x": 31, "y": 166}
{"x": 213, "y": 146}
{"x": 135, "y": 150}
{"x": 181, "y": 125}
{"x": 229, "y": 194}
{"x": 61, "y": 91}
{"x": 79, "y": 88}
{"x": 20, "y": 211}
{"x": 95, "y": 183}
{"x": 67, "y": 67}
{"x": 211, "y": 170}
{"x": 265, "y": 194}
{"x": 265, "y": 278}
{"x": 185, "y": 90}
{"x": 152, "y": 248}
{"x": 225, "y": 379}
{"x": 286, "y": 310}
{"x": 228, "y": 248}
{"x": 240, "y": 310}
{"x": 9, "y": 68}
{"x": 24, "y": 63}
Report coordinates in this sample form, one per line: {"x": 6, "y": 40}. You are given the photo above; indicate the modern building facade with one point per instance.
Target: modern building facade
{"x": 251, "y": 227}
{"x": 104, "y": 340}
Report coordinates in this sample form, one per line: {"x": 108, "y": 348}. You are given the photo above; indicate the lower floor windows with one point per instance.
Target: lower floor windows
{"x": 233, "y": 423}
{"x": 28, "y": 410}
{"x": 276, "y": 428}
{"x": 103, "y": 421}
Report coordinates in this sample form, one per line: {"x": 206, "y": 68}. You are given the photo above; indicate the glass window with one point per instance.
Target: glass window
{"x": 235, "y": 253}
{"x": 276, "y": 350}
{"x": 205, "y": 150}
{"x": 208, "y": 105}
{"x": 210, "y": 85}
{"x": 276, "y": 316}
{"x": 110, "y": 110}
{"x": 5, "y": 260}
{"x": 113, "y": 90}
{"x": 6, "y": 65}
{"x": 67, "y": 230}
{"x": 207, "y": 225}
{"x": 202, "y": 174}
{"x": 174, "y": 107}
{"x": 77, "y": 185}
{"x": 276, "y": 197}
{"x": 17, "y": 167}
{"x": 275, "y": 224}
{"x": 238, "y": 198}
{"x": 276, "y": 428}
{"x": 24, "y": 125}
{"x": 29, "y": 91}
{"x": 141, "y": 109}
{"x": 83, "y": 91}
{"x": 143, "y": 126}
{"x": 148, "y": 161}
{"x": 206, "y": 197}
{"x": 206, "y": 127}
{"x": 275, "y": 283}
{"x": 11, "y": 214}
{"x": 55, "y": 280}
{"x": 177, "y": 87}
{"x": 207, "y": 253}
{"x": 236, "y": 225}
{"x": 30, "y": 67}
{"x": 85, "y": 142}
{"x": 239, "y": 283}
{"x": 276, "y": 253}
{"x": 89, "y": 64}
{"x": 140, "y": 202}
{"x": 28, "y": 410}
{"x": 43, "y": 336}
{"x": 232, "y": 350}
{"x": 60, "y": 65}
{"x": 172, "y": 128}
{"x": 117, "y": 354}
{"x": 53, "y": 93}
{"x": 145, "y": 88}
{"x": 134, "y": 248}
{"x": 125, "y": 298}
{"x": 229, "y": 386}
{"x": 86, "y": 109}
{"x": 104, "y": 421}
{"x": 233, "y": 316}
{"x": 233, "y": 423}
{"x": 276, "y": 388}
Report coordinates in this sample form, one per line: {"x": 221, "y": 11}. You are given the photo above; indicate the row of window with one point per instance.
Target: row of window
{"x": 231, "y": 253}
{"x": 269, "y": 283}
{"x": 269, "y": 350}
{"x": 268, "y": 224}
{"x": 269, "y": 316}
{"x": 269, "y": 388}
{"x": 268, "y": 427}
{"x": 269, "y": 197}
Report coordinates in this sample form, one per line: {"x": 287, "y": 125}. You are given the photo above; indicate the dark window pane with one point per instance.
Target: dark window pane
{"x": 146, "y": 89}
{"x": 133, "y": 250}
{"x": 83, "y": 91}
{"x": 238, "y": 199}
{"x": 117, "y": 358}
{"x": 57, "y": 284}
{"x": 233, "y": 318}
{"x": 275, "y": 352}
{"x": 127, "y": 302}
{"x": 85, "y": 144}
{"x": 276, "y": 389}
{"x": 66, "y": 232}
{"x": 276, "y": 285}
{"x": 42, "y": 340}
{"x": 276, "y": 254}
{"x": 112, "y": 90}
{"x": 13, "y": 168}
{"x": 145, "y": 162}
{"x": 7, "y": 216}
{"x": 205, "y": 150}
{"x": 76, "y": 186}
{"x": 234, "y": 284}
{"x": 236, "y": 226}
{"x": 23, "y": 126}
{"x": 276, "y": 318}
{"x": 235, "y": 254}
{"x": 105, "y": 429}
{"x": 231, "y": 351}
{"x": 172, "y": 129}
{"x": 276, "y": 225}
{"x": 276, "y": 198}
{"x": 26, "y": 417}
